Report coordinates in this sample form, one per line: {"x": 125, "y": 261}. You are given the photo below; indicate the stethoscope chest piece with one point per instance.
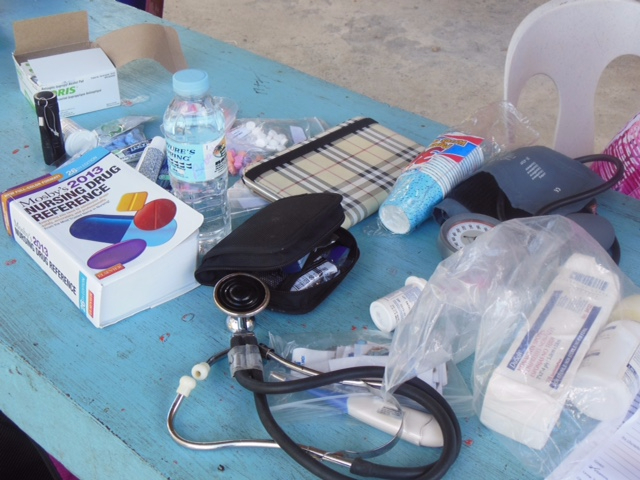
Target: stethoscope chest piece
{"x": 241, "y": 296}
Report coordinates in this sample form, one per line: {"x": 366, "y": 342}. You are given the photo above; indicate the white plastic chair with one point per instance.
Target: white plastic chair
{"x": 572, "y": 42}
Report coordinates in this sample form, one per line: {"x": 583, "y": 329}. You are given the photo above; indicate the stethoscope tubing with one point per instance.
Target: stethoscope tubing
{"x": 308, "y": 456}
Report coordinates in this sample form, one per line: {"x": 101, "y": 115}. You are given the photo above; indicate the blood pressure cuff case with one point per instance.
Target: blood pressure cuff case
{"x": 519, "y": 184}
{"x": 282, "y": 242}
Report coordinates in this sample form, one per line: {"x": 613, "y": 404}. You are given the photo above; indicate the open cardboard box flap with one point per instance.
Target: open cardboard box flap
{"x": 67, "y": 32}
{"x": 146, "y": 40}
{"x": 44, "y": 36}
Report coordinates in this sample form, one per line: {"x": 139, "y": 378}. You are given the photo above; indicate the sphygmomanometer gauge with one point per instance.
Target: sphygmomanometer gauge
{"x": 461, "y": 230}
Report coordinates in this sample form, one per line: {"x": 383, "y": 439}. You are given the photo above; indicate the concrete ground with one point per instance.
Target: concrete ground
{"x": 442, "y": 59}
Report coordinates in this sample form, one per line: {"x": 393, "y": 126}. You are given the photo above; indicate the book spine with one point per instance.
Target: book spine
{"x": 53, "y": 260}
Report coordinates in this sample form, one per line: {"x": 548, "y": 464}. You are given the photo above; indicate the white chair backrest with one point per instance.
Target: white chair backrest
{"x": 572, "y": 42}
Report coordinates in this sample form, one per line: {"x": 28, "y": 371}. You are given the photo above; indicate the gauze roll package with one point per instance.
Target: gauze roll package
{"x": 528, "y": 298}
{"x": 526, "y": 392}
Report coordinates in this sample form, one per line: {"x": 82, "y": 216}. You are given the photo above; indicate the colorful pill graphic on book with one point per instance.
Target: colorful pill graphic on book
{"x": 120, "y": 253}
{"x": 153, "y": 224}
{"x": 132, "y": 202}
{"x": 155, "y": 215}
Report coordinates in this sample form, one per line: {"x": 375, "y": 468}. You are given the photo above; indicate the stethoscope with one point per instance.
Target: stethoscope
{"x": 241, "y": 297}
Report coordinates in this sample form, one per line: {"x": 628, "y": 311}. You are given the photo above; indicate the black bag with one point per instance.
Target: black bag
{"x": 21, "y": 457}
{"x": 281, "y": 244}
{"x": 519, "y": 183}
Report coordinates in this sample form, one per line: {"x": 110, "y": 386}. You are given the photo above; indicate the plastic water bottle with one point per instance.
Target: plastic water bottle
{"x": 194, "y": 127}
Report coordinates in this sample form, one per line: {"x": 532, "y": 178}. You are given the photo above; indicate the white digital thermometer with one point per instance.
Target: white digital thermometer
{"x": 419, "y": 428}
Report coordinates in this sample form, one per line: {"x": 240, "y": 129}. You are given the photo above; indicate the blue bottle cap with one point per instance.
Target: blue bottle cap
{"x": 190, "y": 82}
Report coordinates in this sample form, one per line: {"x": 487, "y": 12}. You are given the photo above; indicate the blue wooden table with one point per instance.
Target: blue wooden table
{"x": 98, "y": 399}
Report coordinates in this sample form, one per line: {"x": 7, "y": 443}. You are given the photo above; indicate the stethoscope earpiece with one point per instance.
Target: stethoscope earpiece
{"x": 241, "y": 296}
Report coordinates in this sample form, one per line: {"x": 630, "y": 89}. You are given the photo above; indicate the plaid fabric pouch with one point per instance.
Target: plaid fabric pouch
{"x": 295, "y": 245}
{"x": 359, "y": 159}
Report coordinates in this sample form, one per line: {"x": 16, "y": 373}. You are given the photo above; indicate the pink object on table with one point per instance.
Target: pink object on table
{"x": 625, "y": 146}
{"x": 64, "y": 473}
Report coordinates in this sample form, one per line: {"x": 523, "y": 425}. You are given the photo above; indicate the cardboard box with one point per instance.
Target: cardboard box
{"x": 55, "y": 53}
{"x": 112, "y": 240}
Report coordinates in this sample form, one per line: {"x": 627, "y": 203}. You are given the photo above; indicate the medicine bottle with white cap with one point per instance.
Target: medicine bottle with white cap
{"x": 387, "y": 312}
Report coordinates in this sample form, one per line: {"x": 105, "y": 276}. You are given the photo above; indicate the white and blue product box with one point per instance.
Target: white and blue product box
{"x": 112, "y": 240}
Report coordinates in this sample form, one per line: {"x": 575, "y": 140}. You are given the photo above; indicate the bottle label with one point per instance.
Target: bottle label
{"x": 321, "y": 273}
{"x": 197, "y": 162}
{"x": 402, "y": 301}
{"x": 450, "y": 158}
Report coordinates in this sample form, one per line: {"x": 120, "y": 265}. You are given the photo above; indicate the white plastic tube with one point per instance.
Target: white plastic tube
{"x": 201, "y": 371}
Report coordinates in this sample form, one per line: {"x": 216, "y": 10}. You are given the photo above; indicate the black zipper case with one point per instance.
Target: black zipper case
{"x": 295, "y": 245}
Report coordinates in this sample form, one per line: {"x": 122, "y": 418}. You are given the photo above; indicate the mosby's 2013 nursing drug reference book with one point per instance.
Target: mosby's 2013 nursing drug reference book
{"x": 112, "y": 240}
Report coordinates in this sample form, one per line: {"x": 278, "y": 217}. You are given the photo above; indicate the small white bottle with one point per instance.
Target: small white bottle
{"x": 387, "y": 312}
{"x": 77, "y": 140}
{"x": 608, "y": 378}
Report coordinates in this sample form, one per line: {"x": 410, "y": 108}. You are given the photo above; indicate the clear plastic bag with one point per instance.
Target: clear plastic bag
{"x": 124, "y": 137}
{"x": 327, "y": 352}
{"x": 229, "y": 109}
{"x": 528, "y": 298}
{"x": 243, "y": 202}
{"x": 113, "y": 135}
{"x": 255, "y": 139}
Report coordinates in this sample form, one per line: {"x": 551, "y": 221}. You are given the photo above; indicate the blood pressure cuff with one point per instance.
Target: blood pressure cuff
{"x": 520, "y": 183}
